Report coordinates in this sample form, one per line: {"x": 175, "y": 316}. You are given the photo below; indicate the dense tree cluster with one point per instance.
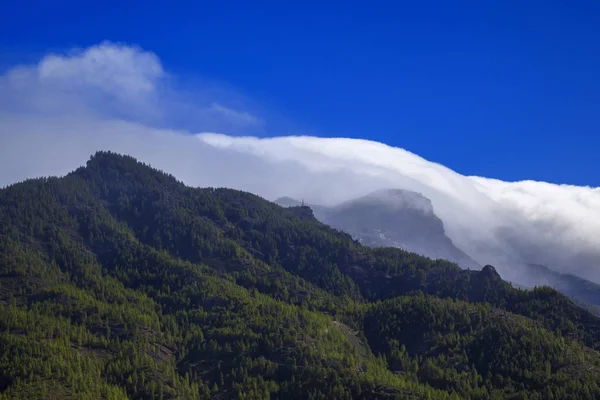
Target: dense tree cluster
{"x": 118, "y": 281}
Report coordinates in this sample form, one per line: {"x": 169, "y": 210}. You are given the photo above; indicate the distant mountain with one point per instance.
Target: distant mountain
{"x": 406, "y": 219}
{"x": 288, "y": 202}
{"x": 392, "y": 218}
{"x": 582, "y": 291}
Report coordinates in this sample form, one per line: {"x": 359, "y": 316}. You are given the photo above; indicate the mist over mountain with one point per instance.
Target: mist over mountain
{"x": 405, "y": 219}
{"x": 573, "y": 286}
{"x": 392, "y": 218}
{"x": 55, "y": 112}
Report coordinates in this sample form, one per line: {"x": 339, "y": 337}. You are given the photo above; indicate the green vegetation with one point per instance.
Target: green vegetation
{"x": 117, "y": 281}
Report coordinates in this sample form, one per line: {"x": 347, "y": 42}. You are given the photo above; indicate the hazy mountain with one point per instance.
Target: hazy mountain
{"x": 392, "y": 218}
{"x": 406, "y": 219}
{"x": 584, "y": 292}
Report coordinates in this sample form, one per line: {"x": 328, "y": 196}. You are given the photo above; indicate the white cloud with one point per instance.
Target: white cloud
{"x": 117, "y": 81}
{"x": 102, "y": 80}
{"x": 56, "y": 113}
{"x": 243, "y": 118}
{"x": 117, "y": 69}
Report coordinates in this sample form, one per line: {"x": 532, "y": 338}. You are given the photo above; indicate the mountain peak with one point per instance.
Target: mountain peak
{"x": 391, "y": 217}
{"x": 490, "y": 272}
{"x": 303, "y": 212}
{"x": 286, "y": 201}
{"x": 396, "y": 199}
{"x": 109, "y": 156}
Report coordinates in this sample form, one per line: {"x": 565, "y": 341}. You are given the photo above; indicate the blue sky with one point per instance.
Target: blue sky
{"x": 496, "y": 89}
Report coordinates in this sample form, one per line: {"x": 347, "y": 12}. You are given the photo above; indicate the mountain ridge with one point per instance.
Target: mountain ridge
{"x": 377, "y": 220}
{"x": 118, "y": 281}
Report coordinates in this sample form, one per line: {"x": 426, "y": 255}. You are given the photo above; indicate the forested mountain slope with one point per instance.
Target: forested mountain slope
{"x": 118, "y": 281}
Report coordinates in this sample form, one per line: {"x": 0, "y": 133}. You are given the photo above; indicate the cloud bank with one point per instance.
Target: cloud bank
{"x": 56, "y": 113}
